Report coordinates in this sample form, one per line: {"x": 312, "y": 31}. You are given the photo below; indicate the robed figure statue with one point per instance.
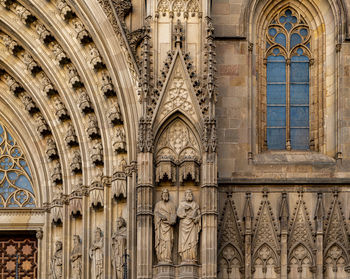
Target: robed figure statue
{"x": 56, "y": 262}
{"x": 119, "y": 246}
{"x": 96, "y": 254}
{"x": 164, "y": 219}
{"x": 189, "y": 228}
{"x": 75, "y": 258}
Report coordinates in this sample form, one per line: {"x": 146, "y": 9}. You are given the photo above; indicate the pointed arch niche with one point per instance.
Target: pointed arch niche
{"x": 177, "y": 153}
{"x": 16, "y": 182}
{"x": 322, "y": 54}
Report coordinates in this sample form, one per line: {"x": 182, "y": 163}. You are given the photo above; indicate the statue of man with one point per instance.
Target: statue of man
{"x": 164, "y": 219}
{"x": 56, "y": 262}
{"x": 119, "y": 246}
{"x": 75, "y": 258}
{"x": 96, "y": 254}
{"x": 190, "y": 226}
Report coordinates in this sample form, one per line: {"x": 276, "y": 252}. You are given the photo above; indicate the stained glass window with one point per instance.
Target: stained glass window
{"x": 16, "y": 188}
{"x": 287, "y": 82}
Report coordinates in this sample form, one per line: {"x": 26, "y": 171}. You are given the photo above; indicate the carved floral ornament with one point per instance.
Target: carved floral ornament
{"x": 177, "y": 146}
{"x": 177, "y": 7}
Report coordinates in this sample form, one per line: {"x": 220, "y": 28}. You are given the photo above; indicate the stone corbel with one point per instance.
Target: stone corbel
{"x": 189, "y": 170}
{"x": 75, "y": 203}
{"x": 57, "y": 210}
{"x": 119, "y": 184}
{"x": 166, "y": 171}
{"x": 96, "y": 193}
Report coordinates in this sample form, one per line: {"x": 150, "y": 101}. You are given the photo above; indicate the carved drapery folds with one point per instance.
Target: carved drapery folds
{"x": 164, "y": 220}
{"x": 76, "y": 258}
{"x": 187, "y": 7}
{"x": 57, "y": 208}
{"x": 177, "y": 147}
{"x": 119, "y": 238}
{"x": 56, "y": 268}
{"x": 97, "y": 255}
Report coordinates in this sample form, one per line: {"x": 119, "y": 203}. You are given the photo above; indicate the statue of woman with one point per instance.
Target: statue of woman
{"x": 96, "y": 254}
{"x": 75, "y": 258}
{"x": 119, "y": 246}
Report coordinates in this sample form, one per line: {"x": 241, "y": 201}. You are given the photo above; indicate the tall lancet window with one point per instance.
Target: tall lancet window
{"x": 287, "y": 82}
{"x": 15, "y": 178}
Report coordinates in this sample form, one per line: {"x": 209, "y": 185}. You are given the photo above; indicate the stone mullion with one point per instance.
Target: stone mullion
{"x": 319, "y": 215}
{"x": 248, "y": 226}
{"x": 144, "y": 215}
{"x": 209, "y": 217}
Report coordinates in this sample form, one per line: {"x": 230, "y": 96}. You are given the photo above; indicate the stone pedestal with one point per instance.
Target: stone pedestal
{"x": 165, "y": 271}
{"x": 188, "y": 271}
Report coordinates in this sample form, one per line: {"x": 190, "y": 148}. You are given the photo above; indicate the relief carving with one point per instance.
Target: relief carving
{"x": 75, "y": 165}
{"x": 119, "y": 238}
{"x": 82, "y": 34}
{"x": 114, "y": 115}
{"x": 76, "y": 258}
{"x": 84, "y": 102}
{"x": 93, "y": 130}
{"x": 96, "y": 59}
{"x": 189, "y": 228}
{"x": 51, "y": 150}
{"x": 71, "y": 138}
{"x": 66, "y": 12}
{"x": 107, "y": 86}
{"x": 57, "y": 262}
{"x": 164, "y": 220}
{"x": 61, "y": 111}
{"x": 119, "y": 180}
{"x": 42, "y": 127}
{"x": 97, "y": 154}
{"x": 97, "y": 255}
{"x": 74, "y": 79}
{"x": 119, "y": 143}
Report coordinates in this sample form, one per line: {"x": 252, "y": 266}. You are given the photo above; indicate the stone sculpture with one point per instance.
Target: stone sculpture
{"x": 119, "y": 246}
{"x": 96, "y": 255}
{"x": 164, "y": 219}
{"x": 190, "y": 226}
{"x": 75, "y": 258}
{"x": 56, "y": 262}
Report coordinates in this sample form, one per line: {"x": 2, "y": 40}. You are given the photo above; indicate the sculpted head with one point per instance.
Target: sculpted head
{"x": 188, "y": 196}
{"x": 121, "y": 222}
{"x": 98, "y": 234}
{"x": 76, "y": 239}
{"x": 58, "y": 245}
{"x": 165, "y": 195}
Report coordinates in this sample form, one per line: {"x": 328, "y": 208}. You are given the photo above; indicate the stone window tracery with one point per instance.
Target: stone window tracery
{"x": 16, "y": 188}
{"x": 287, "y": 61}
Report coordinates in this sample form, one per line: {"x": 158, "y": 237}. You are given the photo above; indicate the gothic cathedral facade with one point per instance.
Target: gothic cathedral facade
{"x": 174, "y": 139}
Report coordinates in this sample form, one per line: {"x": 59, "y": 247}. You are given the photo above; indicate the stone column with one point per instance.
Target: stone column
{"x": 284, "y": 236}
{"x": 319, "y": 216}
{"x": 209, "y": 215}
{"x": 248, "y": 218}
{"x": 144, "y": 215}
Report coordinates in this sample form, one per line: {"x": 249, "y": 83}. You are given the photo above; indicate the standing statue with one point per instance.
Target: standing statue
{"x": 164, "y": 219}
{"x": 56, "y": 262}
{"x": 119, "y": 246}
{"x": 96, "y": 254}
{"x": 75, "y": 258}
{"x": 190, "y": 226}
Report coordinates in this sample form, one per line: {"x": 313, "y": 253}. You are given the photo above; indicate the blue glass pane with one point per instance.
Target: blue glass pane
{"x": 276, "y": 94}
{"x": 299, "y": 72}
{"x": 299, "y": 94}
{"x": 299, "y": 138}
{"x": 294, "y": 40}
{"x": 281, "y": 39}
{"x": 276, "y": 72}
{"x": 24, "y": 183}
{"x": 288, "y": 26}
{"x": 278, "y": 58}
{"x": 272, "y": 32}
{"x": 276, "y": 138}
{"x": 276, "y": 116}
{"x": 299, "y": 116}
{"x": 303, "y": 32}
